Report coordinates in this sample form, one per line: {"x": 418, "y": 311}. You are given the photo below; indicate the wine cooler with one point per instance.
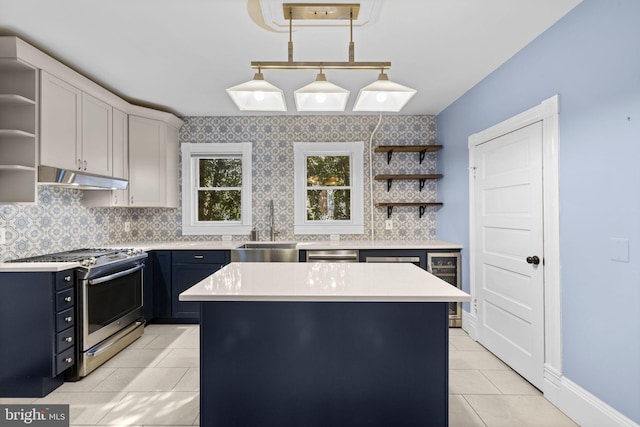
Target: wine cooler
{"x": 446, "y": 266}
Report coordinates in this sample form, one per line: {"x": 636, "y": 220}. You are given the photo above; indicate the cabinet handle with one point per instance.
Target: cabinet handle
{"x": 68, "y": 360}
{"x": 131, "y": 199}
{"x": 67, "y": 278}
{"x": 85, "y": 165}
{"x": 68, "y": 339}
{"x": 68, "y": 319}
{"x": 79, "y": 164}
{"x": 67, "y": 299}
{"x": 198, "y": 256}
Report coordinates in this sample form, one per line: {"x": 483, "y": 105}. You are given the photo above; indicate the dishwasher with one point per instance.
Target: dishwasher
{"x": 333, "y": 255}
{"x": 394, "y": 259}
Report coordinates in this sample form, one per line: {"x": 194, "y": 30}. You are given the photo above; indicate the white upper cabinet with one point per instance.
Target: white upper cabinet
{"x": 97, "y": 147}
{"x": 76, "y": 128}
{"x": 153, "y": 163}
{"x": 60, "y": 115}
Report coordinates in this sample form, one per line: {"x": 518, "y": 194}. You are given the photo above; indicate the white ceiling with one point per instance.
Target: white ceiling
{"x": 181, "y": 55}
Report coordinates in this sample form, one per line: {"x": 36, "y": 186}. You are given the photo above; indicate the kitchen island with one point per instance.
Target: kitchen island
{"x": 291, "y": 344}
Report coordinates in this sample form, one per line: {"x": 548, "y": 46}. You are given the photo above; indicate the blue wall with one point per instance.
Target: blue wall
{"x": 591, "y": 58}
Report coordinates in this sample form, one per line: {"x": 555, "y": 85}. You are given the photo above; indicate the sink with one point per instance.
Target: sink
{"x": 265, "y": 252}
{"x": 269, "y": 245}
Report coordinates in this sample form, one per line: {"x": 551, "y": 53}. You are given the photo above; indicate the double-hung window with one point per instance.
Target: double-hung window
{"x": 328, "y": 188}
{"x": 216, "y": 188}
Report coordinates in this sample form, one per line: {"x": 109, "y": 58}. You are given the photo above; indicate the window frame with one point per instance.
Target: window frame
{"x": 191, "y": 153}
{"x": 355, "y": 152}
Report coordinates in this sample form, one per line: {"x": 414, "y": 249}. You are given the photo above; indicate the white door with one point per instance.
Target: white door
{"x": 508, "y": 216}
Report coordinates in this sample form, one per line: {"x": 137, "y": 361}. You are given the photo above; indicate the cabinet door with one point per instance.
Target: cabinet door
{"x": 120, "y": 155}
{"x": 97, "y": 143}
{"x": 60, "y": 123}
{"x": 185, "y": 276}
{"x": 147, "y": 162}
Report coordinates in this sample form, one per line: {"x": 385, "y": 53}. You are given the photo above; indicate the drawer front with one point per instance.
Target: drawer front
{"x": 64, "y": 279}
{"x": 65, "y": 319}
{"x": 65, "y": 360}
{"x": 200, "y": 257}
{"x": 64, "y": 339}
{"x": 64, "y": 299}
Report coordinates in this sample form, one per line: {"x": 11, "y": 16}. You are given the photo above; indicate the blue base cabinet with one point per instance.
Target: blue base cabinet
{"x": 37, "y": 322}
{"x": 323, "y": 364}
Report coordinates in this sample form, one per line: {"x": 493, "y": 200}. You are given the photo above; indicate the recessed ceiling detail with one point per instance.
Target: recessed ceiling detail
{"x": 275, "y": 13}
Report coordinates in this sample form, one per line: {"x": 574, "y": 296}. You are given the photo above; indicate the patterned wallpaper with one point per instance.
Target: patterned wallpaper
{"x": 60, "y": 221}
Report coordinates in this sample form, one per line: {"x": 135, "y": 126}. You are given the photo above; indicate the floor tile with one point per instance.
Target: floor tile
{"x": 190, "y": 381}
{"x": 89, "y": 382}
{"x": 509, "y": 382}
{"x": 175, "y": 341}
{"x": 475, "y": 360}
{"x": 165, "y": 408}
{"x": 463, "y": 342}
{"x": 169, "y": 329}
{"x": 461, "y": 414}
{"x": 457, "y": 331}
{"x": 17, "y": 400}
{"x": 521, "y": 411}
{"x": 180, "y": 358}
{"x": 142, "y": 379}
{"x": 466, "y": 381}
{"x": 85, "y": 408}
{"x": 142, "y": 342}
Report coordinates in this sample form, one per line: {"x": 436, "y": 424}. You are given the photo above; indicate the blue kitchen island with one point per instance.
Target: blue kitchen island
{"x": 303, "y": 344}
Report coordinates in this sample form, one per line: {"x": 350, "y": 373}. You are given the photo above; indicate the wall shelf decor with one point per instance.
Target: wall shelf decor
{"x": 422, "y": 178}
{"x": 422, "y": 206}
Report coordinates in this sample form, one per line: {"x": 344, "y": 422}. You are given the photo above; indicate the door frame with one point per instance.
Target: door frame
{"x": 547, "y": 112}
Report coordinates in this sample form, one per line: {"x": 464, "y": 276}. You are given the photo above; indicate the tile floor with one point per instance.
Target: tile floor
{"x": 154, "y": 382}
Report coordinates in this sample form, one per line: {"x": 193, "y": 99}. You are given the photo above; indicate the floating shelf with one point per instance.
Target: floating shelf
{"x": 422, "y": 206}
{"x": 422, "y": 149}
{"x": 16, "y": 132}
{"x": 419, "y": 177}
{"x": 17, "y": 168}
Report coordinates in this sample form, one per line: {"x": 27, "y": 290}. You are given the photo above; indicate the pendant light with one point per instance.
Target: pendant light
{"x": 258, "y": 95}
{"x": 321, "y": 95}
{"x": 383, "y": 95}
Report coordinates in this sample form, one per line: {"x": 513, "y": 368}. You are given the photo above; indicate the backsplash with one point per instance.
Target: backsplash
{"x": 61, "y": 222}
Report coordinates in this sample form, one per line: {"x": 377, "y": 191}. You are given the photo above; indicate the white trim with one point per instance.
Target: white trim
{"x": 190, "y": 226}
{"x": 580, "y": 405}
{"x": 355, "y": 150}
{"x": 547, "y": 112}
{"x": 469, "y": 324}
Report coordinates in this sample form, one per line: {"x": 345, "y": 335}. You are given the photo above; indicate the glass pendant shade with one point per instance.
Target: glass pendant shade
{"x": 257, "y": 95}
{"x": 383, "y": 95}
{"x": 321, "y": 95}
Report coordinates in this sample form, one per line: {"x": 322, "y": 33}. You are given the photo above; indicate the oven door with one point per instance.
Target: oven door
{"x": 111, "y": 302}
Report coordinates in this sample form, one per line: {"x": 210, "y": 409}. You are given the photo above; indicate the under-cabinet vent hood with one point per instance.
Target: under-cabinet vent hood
{"x": 48, "y": 175}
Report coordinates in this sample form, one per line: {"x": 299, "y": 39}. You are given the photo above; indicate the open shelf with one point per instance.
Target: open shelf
{"x": 16, "y": 99}
{"x": 421, "y": 178}
{"x": 422, "y": 206}
{"x": 422, "y": 149}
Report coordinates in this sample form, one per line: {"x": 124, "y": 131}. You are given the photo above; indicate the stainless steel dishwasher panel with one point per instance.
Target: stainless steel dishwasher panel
{"x": 333, "y": 255}
{"x": 394, "y": 259}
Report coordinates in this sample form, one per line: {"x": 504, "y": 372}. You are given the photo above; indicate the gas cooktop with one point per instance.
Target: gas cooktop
{"x": 86, "y": 256}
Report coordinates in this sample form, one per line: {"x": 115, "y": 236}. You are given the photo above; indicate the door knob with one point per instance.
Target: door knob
{"x": 533, "y": 260}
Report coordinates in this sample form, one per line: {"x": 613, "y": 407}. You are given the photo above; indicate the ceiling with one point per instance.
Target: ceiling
{"x": 181, "y": 55}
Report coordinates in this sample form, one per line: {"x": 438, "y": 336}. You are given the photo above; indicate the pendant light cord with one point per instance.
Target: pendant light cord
{"x": 371, "y": 175}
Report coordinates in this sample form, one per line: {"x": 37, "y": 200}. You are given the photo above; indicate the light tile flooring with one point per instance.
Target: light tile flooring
{"x": 155, "y": 382}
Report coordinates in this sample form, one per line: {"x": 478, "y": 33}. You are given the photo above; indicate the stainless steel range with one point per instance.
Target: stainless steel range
{"x": 109, "y": 307}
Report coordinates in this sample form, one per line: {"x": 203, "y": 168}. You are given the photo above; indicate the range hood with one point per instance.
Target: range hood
{"x": 48, "y": 175}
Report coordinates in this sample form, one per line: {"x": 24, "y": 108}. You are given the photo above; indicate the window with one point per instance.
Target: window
{"x": 216, "y": 188}
{"x": 328, "y": 188}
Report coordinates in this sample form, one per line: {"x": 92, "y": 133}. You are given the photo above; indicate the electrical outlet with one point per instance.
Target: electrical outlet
{"x": 388, "y": 224}
{"x": 3, "y": 236}
{"x": 127, "y": 226}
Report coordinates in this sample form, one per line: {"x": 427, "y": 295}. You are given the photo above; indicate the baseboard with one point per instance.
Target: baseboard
{"x": 577, "y": 403}
{"x": 469, "y": 322}
{"x": 580, "y": 405}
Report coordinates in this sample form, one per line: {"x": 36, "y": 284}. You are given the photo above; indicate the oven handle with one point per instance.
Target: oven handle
{"x": 116, "y": 275}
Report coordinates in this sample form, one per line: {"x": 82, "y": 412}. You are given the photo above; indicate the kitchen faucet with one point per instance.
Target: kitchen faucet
{"x": 274, "y": 233}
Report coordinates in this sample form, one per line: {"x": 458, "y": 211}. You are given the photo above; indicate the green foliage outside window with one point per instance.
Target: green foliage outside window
{"x": 328, "y": 188}
{"x": 219, "y": 189}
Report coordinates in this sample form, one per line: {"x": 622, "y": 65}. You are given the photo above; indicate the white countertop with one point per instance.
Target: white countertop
{"x": 315, "y": 245}
{"x": 232, "y": 244}
{"x": 348, "y": 282}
